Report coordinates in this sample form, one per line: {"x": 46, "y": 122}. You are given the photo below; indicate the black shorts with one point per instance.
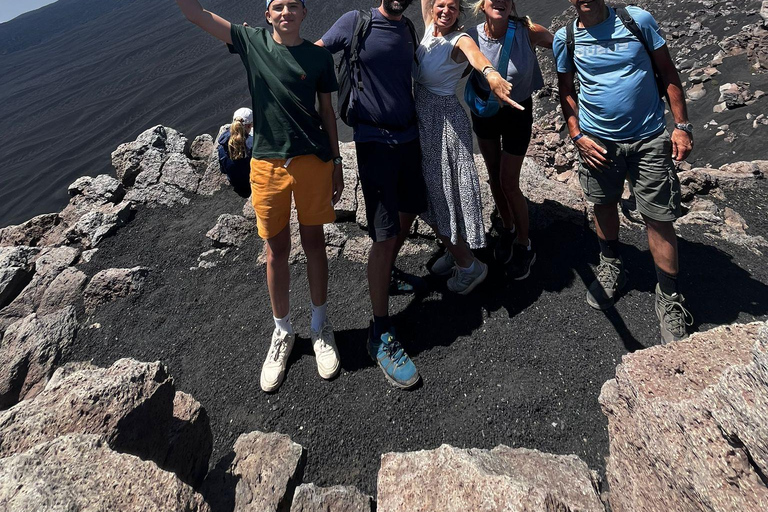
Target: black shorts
{"x": 512, "y": 125}
{"x": 392, "y": 182}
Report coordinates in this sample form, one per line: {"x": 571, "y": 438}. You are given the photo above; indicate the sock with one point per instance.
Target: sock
{"x": 284, "y": 324}
{"x": 381, "y": 324}
{"x": 318, "y": 316}
{"x": 469, "y": 268}
{"x": 667, "y": 282}
{"x": 609, "y": 248}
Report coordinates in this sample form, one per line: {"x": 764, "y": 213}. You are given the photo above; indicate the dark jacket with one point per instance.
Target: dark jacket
{"x": 238, "y": 171}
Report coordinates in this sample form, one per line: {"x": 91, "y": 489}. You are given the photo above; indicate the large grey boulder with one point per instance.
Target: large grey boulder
{"x": 202, "y": 147}
{"x": 190, "y": 441}
{"x": 231, "y": 230}
{"x": 159, "y": 141}
{"x": 179, "y": 172}
{"x": 92, "y": 227}
{"x": 65, "y": 290}
{"x": 113, "y": 283}
{"x": 454, "y": 480}
{"x": 30, "y": 351}
{"x": 17, "y": 264}
{"x": 687, "y": 424}
{"x": 264, "y": 472}
{"x": 310, "y": 498}
{"x": 130, "y": 403}
{"x": 81, "y": 473}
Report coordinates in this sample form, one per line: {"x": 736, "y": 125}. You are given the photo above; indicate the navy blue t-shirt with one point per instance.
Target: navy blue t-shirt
{"x": 386, "y": 64}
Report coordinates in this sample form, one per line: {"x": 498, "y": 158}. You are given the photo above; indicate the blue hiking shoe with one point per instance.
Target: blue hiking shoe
{"x": 392, "y": 359}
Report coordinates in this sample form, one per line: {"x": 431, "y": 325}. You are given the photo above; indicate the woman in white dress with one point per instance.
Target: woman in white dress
{"x": 453, "y": 189}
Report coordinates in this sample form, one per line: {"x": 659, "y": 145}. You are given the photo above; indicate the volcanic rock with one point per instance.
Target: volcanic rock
{"x": 264, "y": 472}
{"x": 696, "y": 92}
{"x": 66, "y": 289}
{"x": 231, "y": 230}
{"x": 310, "y": 498}
{"x": 80, "y": 472}
{"x": 455, "y": 480}
{"x": 130, "y": 403}
{"x": 112, "y": 284}
{"x": 202, "y": 147}
{"x": 190, "y": 441}
{"x": 16, "y": 270}
{"x": 30, "y": 351}
{"x": 735, "y": 95}
{"x": 178, "y": 171}
{"x": 31, "y": 232}
{"x": 687, "y": 425}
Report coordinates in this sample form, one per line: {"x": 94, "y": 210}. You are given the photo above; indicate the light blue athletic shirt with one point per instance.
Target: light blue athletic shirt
{"x": 619, "y": 99}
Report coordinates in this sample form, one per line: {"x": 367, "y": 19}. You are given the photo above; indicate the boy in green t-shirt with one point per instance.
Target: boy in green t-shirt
{"x": 295, "y": 153}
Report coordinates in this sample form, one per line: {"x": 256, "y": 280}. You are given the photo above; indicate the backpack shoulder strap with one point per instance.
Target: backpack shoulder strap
{"x": 631, "y": 25}
{"x": 570, "y": 41}
{"x": 414, "y": 36}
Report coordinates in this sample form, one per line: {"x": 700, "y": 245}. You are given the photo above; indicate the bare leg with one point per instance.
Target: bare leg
{"x": 492, "y": 154}
{"x": 278, "y": 274}
{"x": 607, "y": 221}
{"x": 461, "y": 252}
{"x": 510, "y": 184}
{"x": 662, "y": 241}
{"x": 406, "y": 221}
{"x": 313, "y": 242}
{"x": 379, "y": 271}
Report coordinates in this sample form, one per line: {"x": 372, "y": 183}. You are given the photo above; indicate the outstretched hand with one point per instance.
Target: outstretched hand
{"x": 593, "y": 154}
{"x": 338, "y": 183}
{"x": 501, "y": 89}
{"x": 682, "y": 144}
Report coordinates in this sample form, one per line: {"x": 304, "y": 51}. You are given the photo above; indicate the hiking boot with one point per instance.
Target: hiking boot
{"x": 444, "y": 265}
{"x": 610, "y": 279}
{"x": 403, "y": 283}
{"x": 398, "y": 368}
{"x": 502, "y": 252}
{"x": 672, "y": 315}
{"x": 464, "y": 282}
{"x": 523, "y": 259}
{"x": 326, "y": 353}
{"x": 273, "y": 370}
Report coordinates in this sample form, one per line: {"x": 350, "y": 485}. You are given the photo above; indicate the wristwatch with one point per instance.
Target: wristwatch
{"x": 686, "y": 127}
{"x": 337, "y": 160}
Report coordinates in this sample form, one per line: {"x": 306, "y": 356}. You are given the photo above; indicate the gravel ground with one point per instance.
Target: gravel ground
{"x": 518, "y": 363}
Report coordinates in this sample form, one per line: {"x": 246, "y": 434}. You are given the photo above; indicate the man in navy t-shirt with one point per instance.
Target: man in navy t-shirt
{"x": 617, "y": 124}
{"x": 389, "y": 162}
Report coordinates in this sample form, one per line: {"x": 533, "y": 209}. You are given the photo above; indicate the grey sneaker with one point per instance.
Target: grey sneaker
{"x": 672, "y": 315}
{"x": 610, "y": 280}
{"x": 464, "y": 282}
{"x": 444, "y": 265}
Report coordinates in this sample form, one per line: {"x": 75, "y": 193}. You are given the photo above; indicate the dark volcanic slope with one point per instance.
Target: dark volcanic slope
{"x": 519, "y": 364}
{"x": 80, "y": 77}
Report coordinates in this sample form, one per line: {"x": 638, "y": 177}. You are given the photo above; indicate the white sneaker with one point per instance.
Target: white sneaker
{"x": 464, "y": 282}
{"x": 444, "y": 265}
{"x": 326, "y": 353}
{"x": 273, "y": 370}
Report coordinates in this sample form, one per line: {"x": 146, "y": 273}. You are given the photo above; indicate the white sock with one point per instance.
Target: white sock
{"x": 284, "y": 324}
{"x": 318, "y": 316}
{"x": 469, "y": 268}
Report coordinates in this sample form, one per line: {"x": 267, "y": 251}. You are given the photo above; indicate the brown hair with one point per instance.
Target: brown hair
{"x": 457, "y": 25}
{"x": 477, "y": 8}
{"x": 237, "y": 137}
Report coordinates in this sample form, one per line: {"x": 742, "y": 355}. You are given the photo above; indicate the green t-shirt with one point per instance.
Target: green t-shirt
{"x": 284, "y": 82}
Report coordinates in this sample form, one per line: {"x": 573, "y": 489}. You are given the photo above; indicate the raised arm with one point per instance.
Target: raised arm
{"x": 540, "y": 36}
{"x": 215, "y": 25}
{"x": 682, "y": 141}
{"x": 467, "y": 48}
{"x": 426, "y": 11}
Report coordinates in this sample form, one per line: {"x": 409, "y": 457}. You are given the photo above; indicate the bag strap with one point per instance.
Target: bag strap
{"x": 506, "y": 49}
{"x": 570, "y": 42}
{"x": 362, "y": 25}
{"x": 631, "y": 25}
{"x": 414, "y": 36}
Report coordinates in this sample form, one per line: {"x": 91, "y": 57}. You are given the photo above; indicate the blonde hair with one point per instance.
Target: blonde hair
{"x": 462, "y": 7}
{"x": 477, "y": 8}
{"x": 237, "y": 137}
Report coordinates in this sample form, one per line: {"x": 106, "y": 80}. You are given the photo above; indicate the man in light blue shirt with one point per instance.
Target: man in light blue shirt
{"x": 617, "y": 124}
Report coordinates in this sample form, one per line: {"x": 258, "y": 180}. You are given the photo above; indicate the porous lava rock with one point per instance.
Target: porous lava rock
{"x": 310, "y": 498}
{"x": 455, "y": 480}
{"x": 231, "y": 230}
{"x": 113, "y": 283}
{"x": 190, "y": 441}
{"x": 687, "y": 424}
{"x": 80, "y": 472}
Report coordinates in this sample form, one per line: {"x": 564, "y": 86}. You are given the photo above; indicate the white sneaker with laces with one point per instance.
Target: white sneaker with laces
{"x": 326, "y": 353}
{"x": 273, "y": 370}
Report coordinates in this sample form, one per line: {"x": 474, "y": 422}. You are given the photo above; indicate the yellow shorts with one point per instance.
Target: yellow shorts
{"x": 273, "y": 181}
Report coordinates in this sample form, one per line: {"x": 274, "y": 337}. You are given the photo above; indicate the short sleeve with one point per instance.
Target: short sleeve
{"x": 648, "y": 26}
{"x": 563, "y": 62}
{"x": 339, "y": 35}
{"x": 327, "y": 82}
{"x": 239, "y": 39}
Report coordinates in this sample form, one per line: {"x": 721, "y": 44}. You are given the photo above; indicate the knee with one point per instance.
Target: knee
{"x": 277, "y": 255}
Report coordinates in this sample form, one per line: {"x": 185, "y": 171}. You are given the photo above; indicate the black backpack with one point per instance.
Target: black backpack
{"x": 631, "y": 25}
{"x": 348, "y": 70}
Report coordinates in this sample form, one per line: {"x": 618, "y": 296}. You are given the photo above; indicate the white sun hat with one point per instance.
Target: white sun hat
{"x": 245, "y": 114}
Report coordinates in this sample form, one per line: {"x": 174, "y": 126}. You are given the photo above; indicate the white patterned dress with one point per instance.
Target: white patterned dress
{"x": 453, "y": 189}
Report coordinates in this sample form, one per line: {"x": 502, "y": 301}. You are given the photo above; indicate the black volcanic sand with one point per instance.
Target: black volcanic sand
{"x": 520, "y": 364}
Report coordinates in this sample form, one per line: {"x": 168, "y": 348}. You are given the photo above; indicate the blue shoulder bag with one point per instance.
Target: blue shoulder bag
{"x": 489, "y": 106}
